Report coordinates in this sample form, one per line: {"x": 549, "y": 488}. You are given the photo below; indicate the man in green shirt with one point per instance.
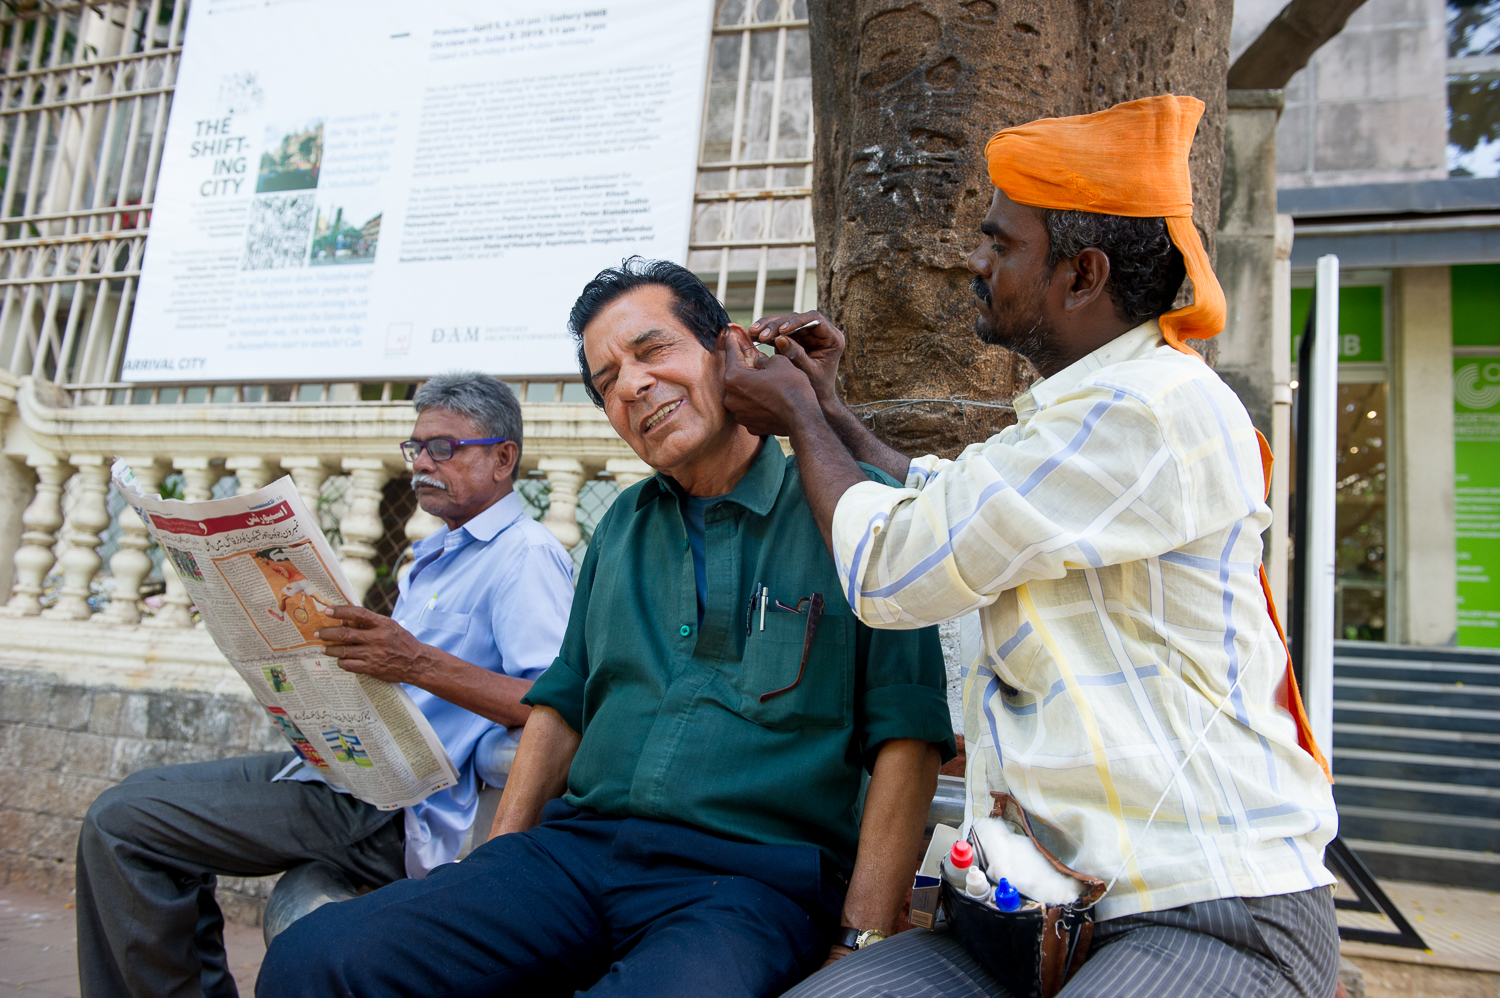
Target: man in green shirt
{"x": 705, "y": 725}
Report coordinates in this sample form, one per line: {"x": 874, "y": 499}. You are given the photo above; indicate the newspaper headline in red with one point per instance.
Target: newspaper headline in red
{"x": 223, "y": 524}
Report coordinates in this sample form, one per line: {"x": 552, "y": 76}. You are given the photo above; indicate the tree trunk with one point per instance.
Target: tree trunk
{"x": 905, "y": 94}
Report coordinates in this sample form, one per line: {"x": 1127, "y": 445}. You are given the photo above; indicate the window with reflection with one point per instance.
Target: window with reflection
{"x": 1360, "y": 525}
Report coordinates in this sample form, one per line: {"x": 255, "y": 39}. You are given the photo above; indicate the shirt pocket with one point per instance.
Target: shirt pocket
{"x": 824, "y": 696}
{"x": 442, "y": 620}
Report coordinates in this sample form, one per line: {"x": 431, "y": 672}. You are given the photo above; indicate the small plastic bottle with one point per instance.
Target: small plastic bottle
{"x": 1006, "y": 898}
{"x": 956, "y": 864}
{"x": 977, "y": 885}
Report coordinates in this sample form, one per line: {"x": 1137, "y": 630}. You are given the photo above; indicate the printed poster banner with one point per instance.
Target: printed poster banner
{"x": 1476, "y": 444}
{"x": 381, "y": 188}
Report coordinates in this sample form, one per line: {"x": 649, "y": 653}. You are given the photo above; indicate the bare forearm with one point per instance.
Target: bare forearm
{"x": 539, "y": 773}
{"x": 827, "y": 467}
{"x": 489, "y": 694}
{"x": 862, "y": 444}
{"x": 890, "y": 834}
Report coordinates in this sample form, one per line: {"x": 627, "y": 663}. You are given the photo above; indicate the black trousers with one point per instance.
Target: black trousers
{"x": 579, "y": 903}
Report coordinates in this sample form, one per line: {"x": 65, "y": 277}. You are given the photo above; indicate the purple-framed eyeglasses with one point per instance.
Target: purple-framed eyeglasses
{"x": 440, "y": 448}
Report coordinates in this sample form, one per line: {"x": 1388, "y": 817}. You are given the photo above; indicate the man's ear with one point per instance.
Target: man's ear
{"x": 510, "y": 458}
{"x": 741, "y": 340}
{"x": 1090, "y": 275}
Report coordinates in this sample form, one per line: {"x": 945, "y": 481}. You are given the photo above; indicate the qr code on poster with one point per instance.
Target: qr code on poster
{"x": 280, "y": 230}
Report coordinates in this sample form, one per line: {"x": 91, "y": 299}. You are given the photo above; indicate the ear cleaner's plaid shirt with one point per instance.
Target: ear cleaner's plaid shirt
{"x": 1111, "y": 544}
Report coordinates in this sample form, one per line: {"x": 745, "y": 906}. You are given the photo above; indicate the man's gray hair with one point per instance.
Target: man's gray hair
{"x": 485, "y": 400}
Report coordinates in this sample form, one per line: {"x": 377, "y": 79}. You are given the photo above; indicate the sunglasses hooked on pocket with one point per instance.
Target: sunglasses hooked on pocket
{"x": 761, "y": 600}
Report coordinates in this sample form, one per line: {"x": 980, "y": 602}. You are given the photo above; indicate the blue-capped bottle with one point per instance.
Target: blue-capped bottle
{"x": 1006, "y": 898}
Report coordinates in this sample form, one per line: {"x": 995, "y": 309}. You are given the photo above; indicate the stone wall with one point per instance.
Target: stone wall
{"x": 65, "y": 738}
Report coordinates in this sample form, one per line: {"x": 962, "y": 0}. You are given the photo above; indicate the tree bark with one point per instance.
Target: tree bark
{"x": 905, "y": 94}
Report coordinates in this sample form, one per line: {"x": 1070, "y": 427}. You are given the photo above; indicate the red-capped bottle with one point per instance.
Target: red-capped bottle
{"x": 955, "y": 865}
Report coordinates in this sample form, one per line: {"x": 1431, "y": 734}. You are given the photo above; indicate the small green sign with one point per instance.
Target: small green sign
{"x": 1361, "y": 323}
{"x": 1476, "y": 305}
{"x": 1476, "y": 451}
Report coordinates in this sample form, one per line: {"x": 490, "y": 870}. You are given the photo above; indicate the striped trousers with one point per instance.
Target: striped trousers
{"x": 1285, "y": 946}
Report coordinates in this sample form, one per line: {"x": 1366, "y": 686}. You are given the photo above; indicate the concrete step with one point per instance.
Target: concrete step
{"x": 1420, "y": 741}
{"x": 1452, "y": 718}
{"x": 1440, "y": 829}
{"x": 1414, "y": 796}
{"x": 1475, "y": 870}
{"x": 1416, "y": 760}
{"x": 1406, "y": 692}
{"x": 1450, "y": 769}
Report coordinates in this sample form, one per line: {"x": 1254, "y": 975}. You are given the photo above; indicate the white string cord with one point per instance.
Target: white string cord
{"x": 1175, "y": 774}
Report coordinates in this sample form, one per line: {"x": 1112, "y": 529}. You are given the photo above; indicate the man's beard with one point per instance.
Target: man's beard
{"x": 1024, "y": 330}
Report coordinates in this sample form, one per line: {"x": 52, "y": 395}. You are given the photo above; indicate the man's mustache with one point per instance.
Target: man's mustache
{"x": 981, "y": 289}
{"x": 421, "y": 479}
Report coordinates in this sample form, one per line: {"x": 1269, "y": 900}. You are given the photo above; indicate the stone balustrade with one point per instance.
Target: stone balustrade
{"x": 67, "y": 451}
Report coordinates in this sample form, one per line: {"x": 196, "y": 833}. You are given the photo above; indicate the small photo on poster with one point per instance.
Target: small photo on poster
{"x": 292, "y": 159}
{"x": 280, "y": 227}
{"x": 344, "y": 234}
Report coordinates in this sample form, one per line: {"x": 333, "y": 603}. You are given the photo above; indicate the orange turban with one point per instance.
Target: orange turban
{"x": 1129, "y": 160}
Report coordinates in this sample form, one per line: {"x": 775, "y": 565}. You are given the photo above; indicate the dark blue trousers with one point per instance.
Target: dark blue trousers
{"x": 579, "y": 903}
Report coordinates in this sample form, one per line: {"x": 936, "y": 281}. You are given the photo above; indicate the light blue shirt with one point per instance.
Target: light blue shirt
{"x": 496, "y": 593}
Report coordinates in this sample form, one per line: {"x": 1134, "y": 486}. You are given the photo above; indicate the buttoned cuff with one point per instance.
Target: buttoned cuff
{"x": 908, "y": 711}
{"x": 561, "y": 689}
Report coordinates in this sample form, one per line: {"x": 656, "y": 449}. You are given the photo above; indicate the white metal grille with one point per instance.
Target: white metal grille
{"x": 84, "y": 101}
{"x": 83, "y": 112}
{"x": 752, "y": 214}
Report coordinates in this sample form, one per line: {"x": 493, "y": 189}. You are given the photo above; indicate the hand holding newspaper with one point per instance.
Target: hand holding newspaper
{"x": 263, "y": 576}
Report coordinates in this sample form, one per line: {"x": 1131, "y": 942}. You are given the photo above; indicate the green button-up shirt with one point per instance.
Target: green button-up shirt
{"x": 670, "y": 712}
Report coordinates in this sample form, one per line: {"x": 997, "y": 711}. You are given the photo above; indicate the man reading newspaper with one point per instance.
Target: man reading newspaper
{"x": 480, "y": 615}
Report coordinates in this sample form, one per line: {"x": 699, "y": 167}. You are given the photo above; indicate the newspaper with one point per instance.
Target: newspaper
{"x": 263, "y": 577}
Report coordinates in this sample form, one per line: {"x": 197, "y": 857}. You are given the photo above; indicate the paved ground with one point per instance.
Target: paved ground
{"x": 38, "y": 946}
{"x": 1462, "y": 928}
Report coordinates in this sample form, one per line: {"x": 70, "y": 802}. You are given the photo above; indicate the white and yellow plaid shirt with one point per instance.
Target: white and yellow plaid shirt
{"x": 1111, "y": 544}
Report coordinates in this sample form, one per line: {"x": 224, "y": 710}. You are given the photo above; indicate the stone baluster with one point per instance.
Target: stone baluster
{"x": 309, "y": 473}
{"x": 43, "y": 516}
{"x": 565, "y": 475}
{"x": 361, "y": 526}
{"x": 250, "y": 473}
{"x": 626, "y": 471}
{"x": 198, "y": 477}
{"x": 131, "y": 564}
{"x": 83, "y": 522}
{"x": 419, "y": 525}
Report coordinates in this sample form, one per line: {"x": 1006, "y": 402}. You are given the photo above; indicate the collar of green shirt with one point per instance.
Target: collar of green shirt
{"x": 757, "y": 491}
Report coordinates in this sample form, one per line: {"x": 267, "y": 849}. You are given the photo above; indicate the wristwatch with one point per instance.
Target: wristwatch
{"x": 851, "y": 938}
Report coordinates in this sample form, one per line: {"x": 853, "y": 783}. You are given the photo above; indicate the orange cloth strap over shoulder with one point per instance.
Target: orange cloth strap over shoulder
{"x": 1130, "y": 160}
{"x": 1292, "y": 697}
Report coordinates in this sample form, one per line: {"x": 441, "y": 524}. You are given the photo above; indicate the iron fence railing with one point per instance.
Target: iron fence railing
{"x": 84, "y": 100}
{"x": 752, "y": 213}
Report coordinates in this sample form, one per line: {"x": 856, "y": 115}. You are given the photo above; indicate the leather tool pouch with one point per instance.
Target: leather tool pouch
{"x": 1032, "y": 951}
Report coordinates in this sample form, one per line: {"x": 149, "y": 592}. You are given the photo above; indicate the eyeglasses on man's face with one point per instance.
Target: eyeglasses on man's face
{"x": 440, "y": 448}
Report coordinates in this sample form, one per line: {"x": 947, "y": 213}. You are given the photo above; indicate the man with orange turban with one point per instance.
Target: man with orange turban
{"x": 1132, "y": 690}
